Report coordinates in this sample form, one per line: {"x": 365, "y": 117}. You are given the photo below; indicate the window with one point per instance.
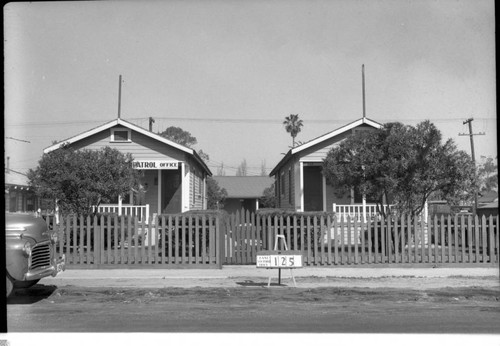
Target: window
{"x": 290, "y": 185}
{"x": 120, "y": 135}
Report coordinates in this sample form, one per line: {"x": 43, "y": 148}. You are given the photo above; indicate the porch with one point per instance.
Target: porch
{"x": 365, "y": 211}
{"x": 358, "y": 212}
{"x": 141, "y": 212}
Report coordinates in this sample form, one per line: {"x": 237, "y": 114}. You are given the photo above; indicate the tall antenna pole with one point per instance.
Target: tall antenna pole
{"x": 151, "y": 121}
{"x": 364, "y": 103}
{"x": 119, "y": 95}
{"x": 469, "y": 121}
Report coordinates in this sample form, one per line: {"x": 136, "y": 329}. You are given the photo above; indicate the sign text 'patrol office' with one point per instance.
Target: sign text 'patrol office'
{"x": 155, "y": 164}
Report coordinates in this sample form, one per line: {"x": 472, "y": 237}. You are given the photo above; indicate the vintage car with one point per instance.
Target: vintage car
{"x": 30, "y": 251}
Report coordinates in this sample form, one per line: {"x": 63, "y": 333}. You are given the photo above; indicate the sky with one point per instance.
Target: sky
{"x": 230, "y": 71}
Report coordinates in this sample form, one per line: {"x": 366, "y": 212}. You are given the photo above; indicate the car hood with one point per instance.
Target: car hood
{"x": 27, "y": 225}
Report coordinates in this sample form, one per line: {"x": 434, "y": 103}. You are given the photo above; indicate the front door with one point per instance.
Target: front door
{"x": 171, "y": 194}
{"x": 313, "y": 188}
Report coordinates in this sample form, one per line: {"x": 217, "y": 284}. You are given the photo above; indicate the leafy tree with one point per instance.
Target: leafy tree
{"x": 180, "y": 136}
{"x": 204, "y": 156}
{"x": 269, "y": 198}
{"x": 220, "y": 170}
{"x": 488, "y": 174}
{"x": 293, "y": 126}
{"x": 263, "y": 169}
{"x": 216, "y": 196}
{"x": 242, "y": 168}
{"x": 82, "y": 179}
{"x": 404, "y": 164}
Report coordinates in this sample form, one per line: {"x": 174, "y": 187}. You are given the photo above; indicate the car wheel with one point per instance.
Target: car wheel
{"x": 10, "y": 285}
{"x": 26, "y": 284}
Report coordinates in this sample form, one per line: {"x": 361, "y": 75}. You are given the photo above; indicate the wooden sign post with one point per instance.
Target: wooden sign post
{"x": 279, "y": 259}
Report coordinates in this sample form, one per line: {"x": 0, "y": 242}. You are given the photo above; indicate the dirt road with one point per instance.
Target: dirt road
{"x": 252, "y": 307}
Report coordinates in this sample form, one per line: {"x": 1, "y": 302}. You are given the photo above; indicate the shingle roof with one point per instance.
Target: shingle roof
{"x": 244, "y": 186}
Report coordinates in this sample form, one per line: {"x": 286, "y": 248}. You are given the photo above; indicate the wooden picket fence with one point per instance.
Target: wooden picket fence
{"x": 396, "y": 241}
{"x": 212, "y": 240}
{"x": 176, "y": 241}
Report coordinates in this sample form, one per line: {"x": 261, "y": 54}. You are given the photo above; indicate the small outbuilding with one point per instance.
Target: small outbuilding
{"x": 243, "y": 192}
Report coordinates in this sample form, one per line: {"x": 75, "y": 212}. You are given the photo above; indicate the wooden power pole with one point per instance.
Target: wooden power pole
{"x": 471, "y": 135}
{"x": 151, "y": 121}
{"x": 119, "y": 95}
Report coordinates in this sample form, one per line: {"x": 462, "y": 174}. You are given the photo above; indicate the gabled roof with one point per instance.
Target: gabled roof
{"x": 244, "y": 186}
{"x": 124, "y": 123}
{"x": 323, "y": 138}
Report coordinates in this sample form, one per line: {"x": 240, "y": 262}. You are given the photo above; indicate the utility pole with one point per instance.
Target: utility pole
{"x": 363, "y": 77}
{"x": 151, "y": 121}
{"x": 471, "y": 135}
{"x": 119, "y": 95}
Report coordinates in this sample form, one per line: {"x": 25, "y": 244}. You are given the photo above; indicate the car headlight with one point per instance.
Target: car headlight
{"x": 27, "y": 249}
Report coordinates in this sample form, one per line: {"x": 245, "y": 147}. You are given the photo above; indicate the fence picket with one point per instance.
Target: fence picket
{"x": 258, "y": 230}
{"x": 469, "y": 239}
{"x": 403, "y": 240}
{"x": 395, "y": 236}
{"x": 314, "y": 239}
{"x": 448, "y": 232}
{"x": 388, "y": 242}
{"x": 422, "y": 240}
{"x": 491, "y": 240}
{"x": 443, "y": 240}
{"x": 287, "y": 237}
{"x": 355, "y": 240}
{"x": 250, "y": 239}
{"x": 328, "y": 239}
{"x": 497, "y": 236}
{"x": 322, "y": 236}
{"x": 484, "y": 248}
{"x": 475, "y": 229}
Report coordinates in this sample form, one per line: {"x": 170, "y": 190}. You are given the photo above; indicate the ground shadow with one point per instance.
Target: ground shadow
{"x": 250, "y": 283}
{"x": 31, "y": 295}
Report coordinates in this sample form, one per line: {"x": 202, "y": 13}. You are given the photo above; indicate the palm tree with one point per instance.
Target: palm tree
{"x": 293, "y": 126}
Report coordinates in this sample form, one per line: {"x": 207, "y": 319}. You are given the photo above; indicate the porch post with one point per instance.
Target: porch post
{"x": 364, "y": 208}
{"x": 184, "y": 189}
{"x": 426, "y": 211}
{"x": 119, "y": 205}
{"x": 324, "y": 192}
{"x": 301, "y": 186}
{"x": 204, "y": 199}
{"x": 159, "y": 192}
{"x": 56, "y": 211}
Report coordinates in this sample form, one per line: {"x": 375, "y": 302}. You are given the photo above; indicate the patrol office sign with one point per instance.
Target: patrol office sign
{"x": 155, "y": 164}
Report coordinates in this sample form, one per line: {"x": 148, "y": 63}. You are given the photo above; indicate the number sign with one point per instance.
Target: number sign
{"x": 279, "y": 259}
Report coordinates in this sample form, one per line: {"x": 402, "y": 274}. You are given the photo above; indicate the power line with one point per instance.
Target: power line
{"x": 246, "y": 120}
